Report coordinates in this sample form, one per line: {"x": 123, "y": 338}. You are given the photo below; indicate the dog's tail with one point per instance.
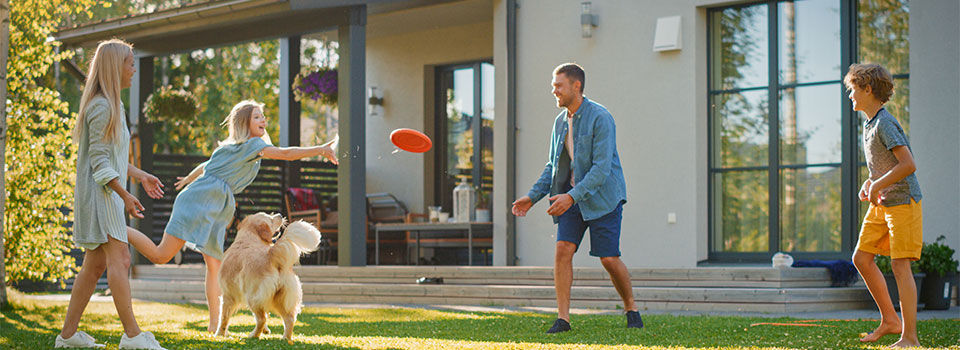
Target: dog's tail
{"x": 299, "y": 238}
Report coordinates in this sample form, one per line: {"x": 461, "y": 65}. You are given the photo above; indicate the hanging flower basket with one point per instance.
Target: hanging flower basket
{"x": 318, "y": 84}
{"x": 171, "y": 105}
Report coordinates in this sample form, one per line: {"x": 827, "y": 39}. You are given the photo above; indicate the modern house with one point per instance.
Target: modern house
{"x": 734, "y": 129}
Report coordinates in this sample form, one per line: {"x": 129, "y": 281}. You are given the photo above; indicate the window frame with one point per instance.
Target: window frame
{"x": 441, "y": 196}
{"x": 849, "y": 161}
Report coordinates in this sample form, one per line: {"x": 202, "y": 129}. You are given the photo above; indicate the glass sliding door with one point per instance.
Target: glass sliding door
{"x": 464, "y": 127}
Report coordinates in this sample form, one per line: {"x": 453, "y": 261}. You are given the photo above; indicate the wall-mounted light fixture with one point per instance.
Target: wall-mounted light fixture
{"x": 375, "y": 101}
{"x": 588, "y": 19}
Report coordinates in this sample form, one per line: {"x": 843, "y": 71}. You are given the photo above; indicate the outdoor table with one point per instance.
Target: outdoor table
{"x": 472, "y": 228}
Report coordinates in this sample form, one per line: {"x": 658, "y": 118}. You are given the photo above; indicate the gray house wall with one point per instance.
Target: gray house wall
{"x": 395, "y": 63}
{"x": 935, "y": 114}
{"x": 659, "y": 103}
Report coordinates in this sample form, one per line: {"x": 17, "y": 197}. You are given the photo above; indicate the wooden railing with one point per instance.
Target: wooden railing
{"x": 264, "y": 194}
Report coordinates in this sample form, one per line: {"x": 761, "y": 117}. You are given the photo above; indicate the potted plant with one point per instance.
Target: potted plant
{"x": 936, "y": 260}
{"x": 172, "y": 112}
{"x": 169, "y": 105}
{"x": 483, "y": 205}
{"x": 883, "y": 262}
{"x": 318, "y": 84}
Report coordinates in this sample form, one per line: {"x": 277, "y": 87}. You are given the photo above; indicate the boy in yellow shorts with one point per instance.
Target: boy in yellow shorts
{"x": 893, "y": 224}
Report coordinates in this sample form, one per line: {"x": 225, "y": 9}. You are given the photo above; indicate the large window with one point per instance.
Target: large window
{"x": 784, "y": 142}
{"x": 465, "y": 123}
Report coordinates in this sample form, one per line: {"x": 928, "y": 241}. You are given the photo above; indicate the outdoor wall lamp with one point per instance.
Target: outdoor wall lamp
{"x": 375, "y": 101}
{"x": 588, "y": 20}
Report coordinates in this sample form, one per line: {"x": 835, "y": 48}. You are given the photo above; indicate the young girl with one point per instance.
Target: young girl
{"x": 101, "y": 198}
{"x": 202, "y": 212}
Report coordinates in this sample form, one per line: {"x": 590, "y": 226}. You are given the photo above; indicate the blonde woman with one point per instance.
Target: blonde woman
{"x": 202, "y": 212}
{"x": 101, "y": 198}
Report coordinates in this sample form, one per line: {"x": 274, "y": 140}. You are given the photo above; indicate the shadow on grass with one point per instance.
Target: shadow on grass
{"x": 661, "y": 330}
{"x": 183, "y": 326}
{"x": 36, "y": 327}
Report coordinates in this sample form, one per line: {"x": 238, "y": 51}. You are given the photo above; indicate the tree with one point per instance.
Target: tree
{"x": 219, "y": 77}
{"x": 4, "y": 46}
{"x": 39, "y": 158}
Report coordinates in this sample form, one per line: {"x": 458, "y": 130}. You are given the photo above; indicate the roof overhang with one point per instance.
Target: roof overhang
{"x": 223, "y": 22}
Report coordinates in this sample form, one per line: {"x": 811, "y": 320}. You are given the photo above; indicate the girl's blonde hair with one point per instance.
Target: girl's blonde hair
{"x": 106, "y": 70}
{"x": 238, "y": 122}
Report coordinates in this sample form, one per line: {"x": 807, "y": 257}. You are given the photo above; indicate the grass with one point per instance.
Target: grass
{"x": 33, "y": 324}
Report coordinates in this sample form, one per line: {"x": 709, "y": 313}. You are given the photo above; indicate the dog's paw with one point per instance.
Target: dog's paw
{"x": 290, "y": 341}
{"x": 266, "y": 330}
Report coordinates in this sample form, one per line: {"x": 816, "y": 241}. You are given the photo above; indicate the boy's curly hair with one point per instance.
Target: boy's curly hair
{"x": 872, "y": 75}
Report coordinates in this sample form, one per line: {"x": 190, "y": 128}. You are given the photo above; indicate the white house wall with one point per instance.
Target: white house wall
{"x": 658, "y": 101}
{"x": 395, "y": 63}
{"x": 935, "y": 114}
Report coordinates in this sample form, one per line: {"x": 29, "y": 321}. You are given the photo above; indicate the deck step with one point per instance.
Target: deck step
{"x": 698, "y": 289}
{"x": 734, "y": 277}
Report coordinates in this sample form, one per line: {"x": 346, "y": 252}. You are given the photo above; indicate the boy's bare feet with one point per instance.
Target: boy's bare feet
{"x": 903, "y": 343}
{"x": 882, "y": 330}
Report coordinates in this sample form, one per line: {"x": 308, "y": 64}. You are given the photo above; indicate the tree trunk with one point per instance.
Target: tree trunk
{"x": 4, "y": 50}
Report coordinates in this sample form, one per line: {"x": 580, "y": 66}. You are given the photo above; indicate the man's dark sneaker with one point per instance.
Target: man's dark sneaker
{"x": 560, "y": 325}
{"x": 634, "y": 320}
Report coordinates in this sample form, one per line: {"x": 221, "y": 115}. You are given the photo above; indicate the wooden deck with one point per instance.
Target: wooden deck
{"x": 746, "y": 289}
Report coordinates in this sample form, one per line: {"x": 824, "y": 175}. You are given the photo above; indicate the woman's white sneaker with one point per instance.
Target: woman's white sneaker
{"x": 80, "y": 339}
{"x": 144, "y": 340}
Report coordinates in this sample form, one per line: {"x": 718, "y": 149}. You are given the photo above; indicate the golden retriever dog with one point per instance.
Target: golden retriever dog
{"x": 259, "y": 273}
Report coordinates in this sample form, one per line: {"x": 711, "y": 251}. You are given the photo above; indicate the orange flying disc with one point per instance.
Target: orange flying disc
{"x": 411, "y": 140}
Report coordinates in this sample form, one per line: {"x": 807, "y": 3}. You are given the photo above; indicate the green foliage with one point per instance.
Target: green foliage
{"x": 169, "y": 105}
{"x": 937, "y": 258}
{"x": 173, "y": 117}
{"x": 40, "y": 158}
{"x": 884, "y": 30}
{"x": 483, "y": 197}
{"x": 219, "y": 78}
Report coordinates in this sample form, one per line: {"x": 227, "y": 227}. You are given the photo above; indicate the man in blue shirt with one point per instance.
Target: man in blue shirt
{"x": 585, "y": 182}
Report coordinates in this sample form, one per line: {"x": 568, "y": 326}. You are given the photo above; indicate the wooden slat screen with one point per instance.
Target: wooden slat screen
{"x": 264, "y": 194}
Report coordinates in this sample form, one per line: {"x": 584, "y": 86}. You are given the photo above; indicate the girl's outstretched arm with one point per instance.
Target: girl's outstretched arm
{"x": 327, "y": 150}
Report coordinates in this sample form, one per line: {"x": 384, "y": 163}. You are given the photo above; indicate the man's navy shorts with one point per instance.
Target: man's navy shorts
{"x": 604, "y": 231}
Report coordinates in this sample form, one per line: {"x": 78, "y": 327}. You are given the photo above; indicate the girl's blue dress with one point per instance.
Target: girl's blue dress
{"x": 203, "y": 210}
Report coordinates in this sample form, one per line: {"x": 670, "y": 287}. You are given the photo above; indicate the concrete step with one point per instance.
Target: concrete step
{"x": 733, "y": 277}
{"x": 649, "y": 298}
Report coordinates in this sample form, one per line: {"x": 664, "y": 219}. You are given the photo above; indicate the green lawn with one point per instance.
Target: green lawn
{"x": 32, "y": 324}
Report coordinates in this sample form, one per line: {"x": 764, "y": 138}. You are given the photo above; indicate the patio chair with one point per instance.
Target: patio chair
{"x": 307, "y": 205}
{"x": 302, "y": 204}
{"x": 384, "y": 207}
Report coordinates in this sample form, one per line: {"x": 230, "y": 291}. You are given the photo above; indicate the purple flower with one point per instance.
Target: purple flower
{"x": 318, "y": 85}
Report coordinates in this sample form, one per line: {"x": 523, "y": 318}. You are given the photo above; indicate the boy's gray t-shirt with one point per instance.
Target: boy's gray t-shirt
{"x": 880, "y": 135}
